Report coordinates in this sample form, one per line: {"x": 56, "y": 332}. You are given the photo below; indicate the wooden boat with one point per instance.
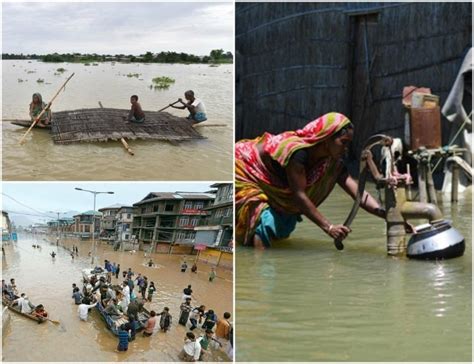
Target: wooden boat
{"x": 8, "y": 303}
{"x": 27, "y": 124}
{"x": 113, "y": 323}
{"x": 5, "y": 319}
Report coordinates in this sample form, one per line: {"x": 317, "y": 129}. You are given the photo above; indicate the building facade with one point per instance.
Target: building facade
{"x": 108, "y": 221}
{"x": 216, "y": 229}
{"x": 123, "y": 228}
{"x": 87, "y": 223}
{"x": 166, "y": 221}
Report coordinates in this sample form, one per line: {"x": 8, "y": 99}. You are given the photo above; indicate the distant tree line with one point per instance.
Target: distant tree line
{"x": 215, "y": 56}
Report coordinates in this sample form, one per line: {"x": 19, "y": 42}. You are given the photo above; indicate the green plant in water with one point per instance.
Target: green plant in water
{"x": 161, "y": 86}
{"x": 162, "y": 83}
{"x": 163, "y": 80}
{"x": 87, "y": 64}
{"x": 40, "y": 80}
{"x": 61, "y": 70}
{"x": 133, "y": 75}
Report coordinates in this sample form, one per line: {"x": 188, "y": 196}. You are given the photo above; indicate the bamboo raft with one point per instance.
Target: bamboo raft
{"x": 103, "y": 124}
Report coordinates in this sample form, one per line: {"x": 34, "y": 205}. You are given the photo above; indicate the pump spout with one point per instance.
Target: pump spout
{"x": 421, "y": 210}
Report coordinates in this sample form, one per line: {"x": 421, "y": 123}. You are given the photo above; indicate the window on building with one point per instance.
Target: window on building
{"x": 188, "y": 205}
{"x": 155, "y": 208}
{"x": 219, "y": 213}
{"x": 169, "y": 207}
{"x": 230, "y": 192}
{"x": 190, "y": 235}
{"x": 127, "y": 236}
{"x": 181, "y": 236}
{"x": 129, "y": 216}
{"x": 228, "y": 212}
{"x": 184, "y": 221}
{"x": 199, "y": 205}
{"x": 87, "y": 228}
{"x": 143, "y": 210}
{"x": 194, "y": 222}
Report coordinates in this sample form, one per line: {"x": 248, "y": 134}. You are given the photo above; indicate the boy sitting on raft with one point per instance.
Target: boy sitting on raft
{"x": 136, "y": 114}
{"x": 196, "y": 108}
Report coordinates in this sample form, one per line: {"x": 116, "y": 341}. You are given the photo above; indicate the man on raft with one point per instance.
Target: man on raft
{"x": 196, "y": 108}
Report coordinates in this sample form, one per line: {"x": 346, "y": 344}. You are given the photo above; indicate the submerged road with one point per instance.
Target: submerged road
{"x": 49, "y": 281}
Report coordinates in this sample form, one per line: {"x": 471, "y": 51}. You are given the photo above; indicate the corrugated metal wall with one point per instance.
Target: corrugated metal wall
{"x": 297, "y": 61}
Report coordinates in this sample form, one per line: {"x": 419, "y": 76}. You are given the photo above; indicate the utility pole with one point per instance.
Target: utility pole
{"x": 95, "y": 193}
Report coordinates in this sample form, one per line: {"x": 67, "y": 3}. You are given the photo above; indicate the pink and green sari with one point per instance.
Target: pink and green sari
{"x": 258, "y": 189}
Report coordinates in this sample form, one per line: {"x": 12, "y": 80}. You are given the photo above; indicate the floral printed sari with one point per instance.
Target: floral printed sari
{"x": 257, "y": 188}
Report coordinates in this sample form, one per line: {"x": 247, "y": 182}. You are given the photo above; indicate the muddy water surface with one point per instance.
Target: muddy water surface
{"x": 41, "y": 159}
{"x": 305, "y": 301}
{"x": 49, "y": 282}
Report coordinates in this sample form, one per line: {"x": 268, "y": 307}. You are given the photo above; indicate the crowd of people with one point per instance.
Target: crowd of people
{"x": 126, "y": 300}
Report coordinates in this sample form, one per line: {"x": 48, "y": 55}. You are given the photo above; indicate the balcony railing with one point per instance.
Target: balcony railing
{"x": 217, "y": 221}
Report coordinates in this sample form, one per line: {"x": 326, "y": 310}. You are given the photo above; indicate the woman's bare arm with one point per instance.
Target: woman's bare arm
{"x": 296, "y": 175}
{"x": 368, "y": 203}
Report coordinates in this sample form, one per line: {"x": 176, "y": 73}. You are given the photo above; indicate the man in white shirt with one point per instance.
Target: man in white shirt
{"x": 196, "y": 108}
{"x": 83, "y": 310}
{"x": 24, "y": 304}
{"x": 191, "y": 350}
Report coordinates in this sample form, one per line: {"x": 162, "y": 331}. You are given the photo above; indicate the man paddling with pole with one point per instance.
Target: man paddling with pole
{"x": 196, "y": 108}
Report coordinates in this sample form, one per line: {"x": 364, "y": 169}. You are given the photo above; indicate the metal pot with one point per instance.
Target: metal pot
{"x": 438, "y": 240}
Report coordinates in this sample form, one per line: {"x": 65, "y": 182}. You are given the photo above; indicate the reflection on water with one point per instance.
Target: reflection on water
{"x": 304, "y": 300}
{"x": 49, "y": 281}
{"x": 40, "y": 159}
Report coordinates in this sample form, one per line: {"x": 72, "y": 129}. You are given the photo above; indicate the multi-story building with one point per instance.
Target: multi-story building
{"x": 87, "y": 223}
{"x": 216, "y": 230}
{"x": 6, "y": 227}
{"x": 165, "y": 221}
{"x": 108, "y": 221}
{"x": 62, "y": 226}
{"x": 123, "y": 227}
{"x": 214, "y": 235}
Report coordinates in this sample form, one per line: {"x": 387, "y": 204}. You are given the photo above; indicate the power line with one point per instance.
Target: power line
{"x": 22, "y": 204}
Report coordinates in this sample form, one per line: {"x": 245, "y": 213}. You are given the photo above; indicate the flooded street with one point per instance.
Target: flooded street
{"x": 40, "y": 159}
{"x": 49, "y": 282}
{"x": 305, "y": 301}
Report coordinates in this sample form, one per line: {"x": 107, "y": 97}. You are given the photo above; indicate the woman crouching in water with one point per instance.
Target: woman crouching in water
{"x": 280, "y": 177}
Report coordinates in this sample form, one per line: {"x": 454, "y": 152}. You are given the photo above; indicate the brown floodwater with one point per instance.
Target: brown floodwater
{"x": 303, "y": 300}
{"x": 40, "y": 159}
{"x": 49, "y": 281}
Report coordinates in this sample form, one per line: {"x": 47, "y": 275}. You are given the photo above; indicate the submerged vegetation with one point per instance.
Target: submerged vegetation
{"x": 162, "y": 82}
{"x": 216, "y": 56}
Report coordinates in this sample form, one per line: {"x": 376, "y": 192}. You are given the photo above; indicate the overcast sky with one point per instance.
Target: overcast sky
{"x": 62, "y": 197}
{"x": 116, "y": 28}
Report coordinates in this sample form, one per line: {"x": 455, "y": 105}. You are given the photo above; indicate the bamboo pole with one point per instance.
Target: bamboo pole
{"x": 213, "y": 125}
{"x": 21, "y": 120}
{"x": 44, "y": 110}
{"x": 168, "y": 106}
{"x": 124, "y": 143}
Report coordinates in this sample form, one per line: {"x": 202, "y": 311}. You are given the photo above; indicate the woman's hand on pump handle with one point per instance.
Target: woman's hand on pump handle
{"x": 338, "y": 232}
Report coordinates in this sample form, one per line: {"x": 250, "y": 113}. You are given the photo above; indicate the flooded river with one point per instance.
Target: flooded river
{"x": 41, "y": 159}
{"x": 305, "y": 301}
{"x": 49, "y": 282}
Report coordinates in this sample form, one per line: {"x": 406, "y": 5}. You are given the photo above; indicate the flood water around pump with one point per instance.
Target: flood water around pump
{"x": 303, "y": 300}
{"x": 49, "y": 282}
{"x": 40, "y": 159}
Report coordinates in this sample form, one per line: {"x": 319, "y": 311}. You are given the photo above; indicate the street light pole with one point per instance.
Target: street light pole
{"x": 95, "y": 193}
